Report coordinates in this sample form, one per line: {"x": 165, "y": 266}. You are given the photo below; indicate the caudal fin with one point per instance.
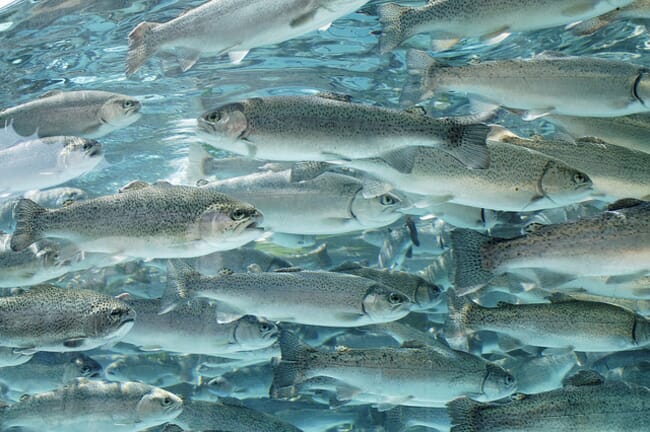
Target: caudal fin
{"x": 290, "y": 369}
{"x": 141, "y": 46}
{"x": 455, "y": 330}
{"x": 393, "y": 32}
{"x": 467, "y": 143}
{"x": 28, "y": 229}
{"x": 420, "y": 66}
{"x": 178, "y": 289}
{"x": 196, "y": 163}
{"x": 463, "y": 415}
{"x": 471, "y": 274}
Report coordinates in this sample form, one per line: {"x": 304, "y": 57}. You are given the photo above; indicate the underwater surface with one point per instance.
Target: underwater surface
{"x": 417, "y": 218}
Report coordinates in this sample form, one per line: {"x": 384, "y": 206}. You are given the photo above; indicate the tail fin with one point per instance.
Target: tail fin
{"x": 141, "y": 46}
{"x": 28, "y": 230}
{"x": 456, "y": 323}
{"x": 392, "y": 33}
{"x": 196, "y": 163}
{"x": 290, "y": 370}
{"x": 463, "y": 415}
{"x": 467, "y": 143}
{"x": 471, "y": 274}
{"x": 178, "y": 289}
{"x": 419, "y": 64}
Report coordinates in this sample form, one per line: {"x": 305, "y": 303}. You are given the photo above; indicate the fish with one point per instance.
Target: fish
{"x": 613, "y": 243}
{"x": 47, "y": 318}
{"x": 425, "y": 294}
{"x": 47, "y": 371}
{"x": 303, "y": 297}
{"x": 243, "y": 383}
{"x": 413, "y": 375}
{"x": 13, "y": 357}
{"x": 46, "y": 162}
{"x": 159, "y": 369}
{"x": 518, "y": 179}
{"x": 542, "y": 85}
{"x": 328, "y": 126}
{"x": 151, "y": 221}
{"x": 403, "y": 418}
{"x": 238, "y": 260}
{"x": 585, "y": 326}
{"x": 637, "y": 10}
{"x": 540, "y": 374}
{"x": 80, "y": 113}
{"x": 616, "y": 172}
{"x": 231, "y": 26}
{"x": 329, "y": 203}
{"x": 194, "y": 329}
{"x": 629, "y": 131}
{"x": 582, "y": 405}
{"x": 450, "y": 20}
{"x": 107, "y": 406}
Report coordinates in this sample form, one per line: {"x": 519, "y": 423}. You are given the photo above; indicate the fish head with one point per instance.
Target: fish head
{"x": 377, "y": 210}
{"x": 641, "y": 332}
{"x": 80, "y": 154}
{"x": 427, "y": 295}
{"x": 230, "y": 221}
{"x": 158, "y": 406}
{"x": 253, "y": 333}
{"x": 109, "y": 318}
{"x": 227, "y": 123}
{"x": 563, "y": 184}
{"x": 498, "y": 383}
{"x": 82, "y": 366}
{"x": 220, "y": 386}
{"x": 57, "y": 254}
{"x": 119, "y": 111}
{"x": 383, "y": 304}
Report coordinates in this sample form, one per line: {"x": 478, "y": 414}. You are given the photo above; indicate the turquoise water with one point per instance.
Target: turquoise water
{"x": 74, "y": 45}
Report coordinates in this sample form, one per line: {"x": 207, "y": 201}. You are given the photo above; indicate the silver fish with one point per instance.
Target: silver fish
{"x": 326, "y": 127}
{"x": 107, "y": 406}
{"x": 158, "y": 220}
{"x": 540, "y": 86}
{"x": 47, "y": 318}
{"x": 304, "y": 297}
{"x": 233, "y": 27}
{"x": 614, "y": 243}
{"x": 83, "y": 113}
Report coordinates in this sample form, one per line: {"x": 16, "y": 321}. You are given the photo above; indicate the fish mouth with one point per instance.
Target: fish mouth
{"x": 95, "y": 151}
{"x": 206, "y": 126}
{"x": 126, "y": 322}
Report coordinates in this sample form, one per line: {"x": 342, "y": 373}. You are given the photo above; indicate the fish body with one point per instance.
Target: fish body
{"x": 518, "y": 179}
{"x": 326, "y": 127}
{"x": 157, "y": 220}
{"x": 47, "y": 318}
{"x": 233, "y": 27}
{"x": 540, "y": 86}
{"x": 613, "y": 243}
{"x": 416, "y": 376}
{"x": 608, "y": 407}
{"x": 82, "y": 113}
{"x": 616, "y": 172}
{"x": 451, "y": 20}
{"x": 107, "y": 406}
{"x": 46, "y": 162}
{"x": 193, "y": 328}
{"x": 304, "y": 297}
{"x": 330, "y": 203}
{"x": 54, "y": 197}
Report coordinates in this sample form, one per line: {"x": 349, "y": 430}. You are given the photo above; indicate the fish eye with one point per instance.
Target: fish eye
{"x": 579, "y": 178}
{"x": 509, "y": 380}
{"x": 116, "y": 313}
{"x": 238, "y": 214}
{"x": 166, "y": 401}
{"x": 265, "y": 327}
{"x": 395, "y": 298}
{"x": 128, "y": 104}
{"x": 214, "y": 116}
{"x": 85, "y": 369}
{"x": 387, "y": 200}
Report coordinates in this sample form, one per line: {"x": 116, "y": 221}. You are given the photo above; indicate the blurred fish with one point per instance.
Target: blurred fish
{"x": 159, "y": 369}
{"x": 616, "y": 172}
{"x": 243, "y": 383}
{"x": 414, "y": 375}
{"x": 83, "y": 113}
{"x": 582, "y": 405}
{"x": 55, "y": 197}
{"x": 330, "y": 203}
{"x": 193, "y": 328}
{"x": 614, "y": 243}
{"x": 107, "y": 406}
{"x": 542, "y": 85}
{"x": 404, "y": 418}
{"x": 237, "y": 260}
{"x": 13, "y": 357}
{"x": 637, "y": 10}
{"x": 540, "y": 374}
{"x": 180, "y": 221}
{"x": 47, "y": 318}
{"x": 397, "y": 246}
{"x": 305, "y": 297}
{"x": 451, "y": 20}
{"x": 233, "y": 27}
{"x": 326, "y": 127}
{"x": 518, "y": 179}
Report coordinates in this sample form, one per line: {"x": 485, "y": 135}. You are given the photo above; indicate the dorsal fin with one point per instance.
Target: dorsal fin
{"x": 335, "y": 96}
{"x": 288, "y": 270}
{"x": 417, "y": 110}
{"x": 50, "y": 94}
{"x": 585, "y": 378}
{"x": 134, "y": 185}
{"x": 624, "y": 203}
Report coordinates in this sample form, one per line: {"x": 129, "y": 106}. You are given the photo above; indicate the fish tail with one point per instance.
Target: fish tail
{"x": 196, "y": 163}
{"x": 420, "y": 67}
{"x": 460, "y": 308}
{"x": 141, "y": 46}
{"x": 467, "y": 143}
{"x": 177, "y": 289}
{"x": 28, "y": 229}
{"x": 468, "y": 261}
{"x": 393, "y": 32}
{"x": 463, "y": 415}
{"x": 290, "y": 369}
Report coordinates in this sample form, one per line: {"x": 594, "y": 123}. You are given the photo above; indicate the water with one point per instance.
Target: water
{"x": 75, "y": 45}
